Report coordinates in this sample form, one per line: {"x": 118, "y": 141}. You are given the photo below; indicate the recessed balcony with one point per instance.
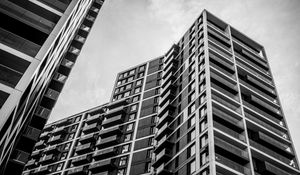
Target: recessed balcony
{"x": 93, "y": 119}
{"x": 42, "y": 170}
{"x": 78, "y": 171}
{"x": 166, "y": 80}
{"x": 169, "y": 88}
{"x": 162, "y": 156}
{"x": 91, "y": 128}
{"x": 170, "y": 95}
{"x": 47, "y": 159}
{"x": 162, "y": 170}
{"x": 36, "y": 153}
{"x": 164, "y": 142}
{"x": 268, "y": 168}
{"x": 110, "y": 131}
{"x": 52, "y": 94}
{"x": 88, "y": 138}
{"x": 164, "y": 130}
{"x": 59, "y": 131}
{"x": 168, "y": 106}
{"x": 19, "y": 157}
{"x": 166, "y": 117}
{"x": 119, "y": 103}
{"x": 42, "y": 112}
{"x": 82, "y": 160}
{"x": 116, "y": 111}
{"x": 103, "y": 165}
{"x": 104, "y": 153}
{"x": 40, "y": 144}
{"x": 32, "y": 133}
{"x": 55, "y": 139}
{"x": 45, "y": 136}
{"x": 31, "y": 164}
{"x": 109, "y": 141}
{"x": 232, "y": 164}
{"x": 52, "y": 150}
{"x": 82, "y": 149}
{"x": 113, "y": 121}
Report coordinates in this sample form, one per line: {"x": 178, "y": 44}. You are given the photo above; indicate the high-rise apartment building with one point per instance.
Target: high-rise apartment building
{"x": 209, "y": 106}
{"x": 39, "y": 43}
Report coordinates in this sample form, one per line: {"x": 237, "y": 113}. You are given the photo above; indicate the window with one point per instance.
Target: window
{"x": 123, "y": 161}
{"x": 192, "y": 121}
{"x": 203, "y": 125}
{"x": 151, "y": 141}
{"x": 139, "y": 82}
{"x": 201, "y": 76}
{"x": 59, "y": 166}
{"x": 192, "y": 86}
{"x": 67, "y": 146}
{"x": 125, "y": 148}
{"x": 137, "y": 90}
{"x": 129, "y": 127}
{"x": 131, "y": 72}
{"x": 127, "y": 137}
{"x": 117, "y": 90}
{"x": 133, "y": 107}
{"x": 140, "y": 74}
{"x": 129, "y": 79}
{"x": 203, "y": 141}
{"x": 142, "y": 68}
{"x": 192, "y": 67}
{"x": 155, "y": 109}
{"x": 149, "y": 153}
{"x": 192, "y": 76}
{"x": 148, "y": 167}
{"x": 63, "y": 156}
{"x": 202, "y": 98}
{"x": 157, "y": 91}
{"x": 202, "y": 87}
{"x": 191, "y": 135}
{"x": 73, "y": 128}
{"x": 136, "y": 98}
{"x": 71, "y": 136}
{"x": 121, "y": 171}
{"x": 192, "y": 167}
{"x": 203, "y": 157}
{"x": 128, "y": 86}
{"x": 132, "y": 116}
{"x": 192, "y": 96}
{"x": 77, "y": 119}
{"x": 192, "y": 150}
{"x": 202, "y": 112}
{"x": 192, "y": 108}
{"x": 126, "y": 94}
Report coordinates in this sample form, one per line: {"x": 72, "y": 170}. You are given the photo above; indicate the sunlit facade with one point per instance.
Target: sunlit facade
{"x": 208, "y": 106}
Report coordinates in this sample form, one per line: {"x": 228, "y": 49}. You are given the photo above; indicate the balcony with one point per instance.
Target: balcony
{"x": 78, "y": 171}
{"x": 36, "y": 153}
{"x": 47, "y": 159}
{"x": 233, "y": 165}
{"x": 119, "y": 103}
{"x": 42, "y": 170}
{"x": 162, "y": 170}
{"x": 55, "y": 139}
{"x": 110, "y": 131}
{"x": 32, "y": 133}
{"x": 59, "y": 131}
{"x": 268, "y": 168}
{"x": 116, "y": 111}
{"x": 109, "y": 141}
{"x": 103, "y": 165}
{"x": 60, "y": 78}
{"x": 231, "y": 151}
{"x": 227, "y": 117}
{"x": 93, "y": 119}
{"x": 42, "y": 112}
{"x": 82, "y": 160}
{"x": 166, "y": 117}
{"x": 31, "y": 164}
{"x": 91, "y": 128}
{"x": 170, "y": 95}
{"x": 169, "y": 78}
{"x": 105, "y": 153}
{"x": 169, "y": 88}
{"x": 163, "y": 156}
{"x": 169, "y": 69}
{"x": 261, "y": 67}
{"x": 171, "y": 53}
{"x": 164, "y": 130}
{"x": 167, "y": 107}
{"x": 52, "y": 150}
{"x": 164, "y": 142}
{"x": 229, "y": 131}
{"x": 88, "y": 138}
{"x": 40, "y": 144}
{"x": 45, "y": 136}
{"x": 220, "y": 50}
{"x": 52, "y": 94}
{"x": 226, "y": 101}
{"x": 274, "y": 111}
{"x": 82, "y": 149}
{"x": 113, "y": 121}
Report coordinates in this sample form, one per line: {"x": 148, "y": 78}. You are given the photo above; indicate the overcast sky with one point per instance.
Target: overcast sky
{"x": 129, "y": 32}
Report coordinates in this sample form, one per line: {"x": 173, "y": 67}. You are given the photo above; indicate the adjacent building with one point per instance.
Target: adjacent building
{"x": 209, "y": 106}
{"x": 39, "y": 43}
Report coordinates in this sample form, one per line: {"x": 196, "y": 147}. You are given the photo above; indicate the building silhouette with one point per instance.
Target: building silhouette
{"x": 208, "y": 106}
{"x": 39, "y": 43}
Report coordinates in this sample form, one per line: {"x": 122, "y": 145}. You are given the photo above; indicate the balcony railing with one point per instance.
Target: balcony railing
{"x": 229, "y": 131}
{"x": 231, "y": 164}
